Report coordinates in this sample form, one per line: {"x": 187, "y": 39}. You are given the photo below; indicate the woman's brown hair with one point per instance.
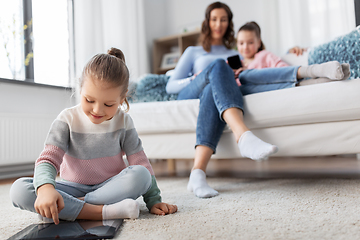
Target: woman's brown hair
{"x": 205, "y": 37}
{"x": 108, "y": 68}
{"x": 253, "y": 27}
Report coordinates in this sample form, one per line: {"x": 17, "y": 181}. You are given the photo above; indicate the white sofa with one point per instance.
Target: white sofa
{"x": 313, "y": 120}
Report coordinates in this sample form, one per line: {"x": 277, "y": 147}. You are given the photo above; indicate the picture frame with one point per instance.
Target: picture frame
{"x": 169, "y": 60}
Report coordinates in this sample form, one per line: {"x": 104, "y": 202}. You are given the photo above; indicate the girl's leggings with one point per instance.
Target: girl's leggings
{"x": 132, "y": 182}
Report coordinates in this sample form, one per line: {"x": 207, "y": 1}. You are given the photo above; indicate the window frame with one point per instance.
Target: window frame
{"x": 28, "y": 45}
{"x": 34, "y": 84}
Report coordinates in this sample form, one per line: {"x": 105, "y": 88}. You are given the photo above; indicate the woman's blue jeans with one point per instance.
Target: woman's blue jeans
{"x": 217, "y": 90}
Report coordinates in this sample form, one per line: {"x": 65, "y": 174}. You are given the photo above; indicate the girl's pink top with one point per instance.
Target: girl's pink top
{"x": 266, "y": 59}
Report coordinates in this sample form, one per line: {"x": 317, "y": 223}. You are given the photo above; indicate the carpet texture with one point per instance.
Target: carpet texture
{"x": 245, "y": 209}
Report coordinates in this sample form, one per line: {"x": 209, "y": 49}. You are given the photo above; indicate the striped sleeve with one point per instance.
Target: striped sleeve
{"x": 44, "y": 173}
{"x": 130, "y": 143}
{"x": 48, "y": 164}
{"x": 59, "y": 135}
{"x": 152, "y": 196}
{"x": 140, "y": 159}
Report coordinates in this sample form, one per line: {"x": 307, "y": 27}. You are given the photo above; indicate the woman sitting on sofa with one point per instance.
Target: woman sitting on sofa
{"x": 221, "y": 102}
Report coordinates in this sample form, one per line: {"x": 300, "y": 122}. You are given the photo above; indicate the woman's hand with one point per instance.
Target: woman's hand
{"x": 163, "y": 209}
{"x": 49, "y": 202}
{"x": 297, "y": 50}
{"x": 195, "y": 75}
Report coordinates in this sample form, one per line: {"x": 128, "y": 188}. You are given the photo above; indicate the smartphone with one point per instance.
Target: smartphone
{"x": 234, "y": 62}
{"x": 80, "y": 229}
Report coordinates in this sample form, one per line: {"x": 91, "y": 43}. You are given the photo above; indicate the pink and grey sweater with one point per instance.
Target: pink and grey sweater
{"x": 88, "y": 153}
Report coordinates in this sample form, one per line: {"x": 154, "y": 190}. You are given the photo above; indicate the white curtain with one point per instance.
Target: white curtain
{"x": 305, "y": 23}
{"x": 100, "y": 25}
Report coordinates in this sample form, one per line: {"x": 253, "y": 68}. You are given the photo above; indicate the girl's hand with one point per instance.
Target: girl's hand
{"x": 163, "y": 209}
{"x": 49, "y": 202}
{"x": 238, "y": 71}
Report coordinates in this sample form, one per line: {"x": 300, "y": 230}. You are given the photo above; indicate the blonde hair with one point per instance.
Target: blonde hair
{"x": 109, "y": 68}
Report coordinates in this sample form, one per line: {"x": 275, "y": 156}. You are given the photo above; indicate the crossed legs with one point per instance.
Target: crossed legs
{"x": 102, "y": 201}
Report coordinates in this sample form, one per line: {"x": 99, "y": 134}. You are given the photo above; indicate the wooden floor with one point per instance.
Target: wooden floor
{"x": 277, "y": 167}
{"x": 346, "y": 166}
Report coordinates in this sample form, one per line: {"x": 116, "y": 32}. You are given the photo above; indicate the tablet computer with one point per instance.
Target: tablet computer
{"x": 80, "y": 229}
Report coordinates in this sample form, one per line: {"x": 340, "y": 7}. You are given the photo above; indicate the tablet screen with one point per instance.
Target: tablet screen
{"x": 80, "y": 229}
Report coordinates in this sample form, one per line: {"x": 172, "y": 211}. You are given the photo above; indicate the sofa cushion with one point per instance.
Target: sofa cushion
{"x": 165, "y": 117}
{"x": 150, "y": 88}
{"x": 318, "y": 103}
{"x": 345, "y": 49}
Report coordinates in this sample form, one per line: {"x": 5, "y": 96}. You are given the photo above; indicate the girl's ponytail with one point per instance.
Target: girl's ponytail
{"x": 116, "y": 53}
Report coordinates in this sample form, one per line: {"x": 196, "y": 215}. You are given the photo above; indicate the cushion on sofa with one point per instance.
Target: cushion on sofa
{"x": 345, "y": 49}
{"x": 150, "y": 88}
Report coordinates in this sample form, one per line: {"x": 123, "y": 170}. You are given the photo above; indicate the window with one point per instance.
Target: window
{"x": 11, "y": 40}
{"x": 38, "y": 48}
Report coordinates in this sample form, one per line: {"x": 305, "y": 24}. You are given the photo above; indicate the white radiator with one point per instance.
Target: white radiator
{"x": 22, "y": 139}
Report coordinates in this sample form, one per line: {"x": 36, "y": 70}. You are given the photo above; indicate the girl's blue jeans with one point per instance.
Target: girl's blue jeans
{"x": 217, "y": 90}
{"x": 132, "y": 182}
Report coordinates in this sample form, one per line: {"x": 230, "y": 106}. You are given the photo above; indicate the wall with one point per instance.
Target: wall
{"x": 26, "y": 113}
{"x": 156, "y": 24}
{"x": 33, "y": 98}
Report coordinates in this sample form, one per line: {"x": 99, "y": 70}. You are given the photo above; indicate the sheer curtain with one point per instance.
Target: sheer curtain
{"x": 99, "y": 25}
{"x": 306, "y": 23}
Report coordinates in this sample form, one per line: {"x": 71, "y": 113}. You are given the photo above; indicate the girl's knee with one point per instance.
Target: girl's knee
{"x": 141, "y": 175}
{"x": 141, "y": 172}
{"x": 222, "y": 67}
{"x": 220, "y": 61}
{"x": 22, "y": 193}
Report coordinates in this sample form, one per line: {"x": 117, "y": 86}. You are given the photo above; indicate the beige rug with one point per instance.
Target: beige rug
{"x": 245, "y": 209}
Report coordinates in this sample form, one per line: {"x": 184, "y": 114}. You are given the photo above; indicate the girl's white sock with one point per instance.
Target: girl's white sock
{"x": 253, "y": 147}
{"x": 198, "y": 185}
{"x": 127, "y": 208}
{"x": 332, "y": 70}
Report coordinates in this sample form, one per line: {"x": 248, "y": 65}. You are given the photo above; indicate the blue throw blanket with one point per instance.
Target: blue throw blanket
{"x": 151, "y": 88}
{"x": 345, "y": 49}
